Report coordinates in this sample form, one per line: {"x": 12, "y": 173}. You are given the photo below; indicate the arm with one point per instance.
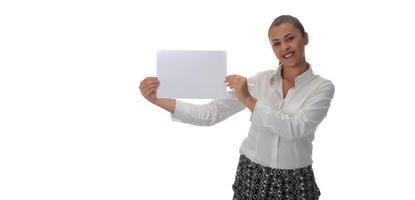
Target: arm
{"x": 203, "y": 115}
{"x": 215, "y": 111}
{"x": 148, "y": 88}
{"x": 300, "y": 124}
{"x": 242, "y": 88}
{"x": 207, "y": 114}
{"x": 166, "y": 104}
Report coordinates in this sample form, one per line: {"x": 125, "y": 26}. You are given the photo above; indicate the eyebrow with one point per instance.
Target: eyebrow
{"x": 285, "y": 36}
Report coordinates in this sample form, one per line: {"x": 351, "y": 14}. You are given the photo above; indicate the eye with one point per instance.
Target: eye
{"x": 289, "y": 39}
{"x": 276, "y": 44}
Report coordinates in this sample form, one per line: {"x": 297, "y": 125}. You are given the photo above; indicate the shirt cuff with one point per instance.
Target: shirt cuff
{"x": 181, "y": 112}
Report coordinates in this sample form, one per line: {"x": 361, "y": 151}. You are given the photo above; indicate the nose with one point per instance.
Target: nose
{"x": 285, "y": 47}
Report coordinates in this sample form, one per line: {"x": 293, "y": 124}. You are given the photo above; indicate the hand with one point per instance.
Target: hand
{"x": 148, "y": 88}
{"x": 240, "y": 85}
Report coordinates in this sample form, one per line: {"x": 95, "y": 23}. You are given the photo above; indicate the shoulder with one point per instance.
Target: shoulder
{"x": 259, "y": 81}
{"x": 262, "y": 75}
{"x": 323, "y": 84}
{"x": 322, "y": 80}
{"x": 266, "y": 73}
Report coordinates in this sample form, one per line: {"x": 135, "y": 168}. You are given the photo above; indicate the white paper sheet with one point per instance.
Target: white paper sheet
{"x": 191, "y": 74}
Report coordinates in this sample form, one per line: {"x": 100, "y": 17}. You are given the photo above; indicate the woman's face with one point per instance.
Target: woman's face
{"x": 288, "y": 44}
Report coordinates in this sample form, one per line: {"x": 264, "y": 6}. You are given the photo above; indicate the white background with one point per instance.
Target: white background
{"x": 74, "y": 126}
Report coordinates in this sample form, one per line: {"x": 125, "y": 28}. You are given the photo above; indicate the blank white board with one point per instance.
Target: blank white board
{"x": 191, "y": 74}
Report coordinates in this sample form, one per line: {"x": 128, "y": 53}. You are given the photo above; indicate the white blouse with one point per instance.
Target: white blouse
{"x": 282, "y": 129}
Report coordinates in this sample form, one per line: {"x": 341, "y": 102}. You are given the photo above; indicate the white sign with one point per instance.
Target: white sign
{"x": 191, "y": 74}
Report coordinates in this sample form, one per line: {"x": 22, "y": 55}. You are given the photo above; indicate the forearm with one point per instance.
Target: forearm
{"x": 296, "y": 124}
{"x": 166, "y": 104}
{"x": 250, "y": 102}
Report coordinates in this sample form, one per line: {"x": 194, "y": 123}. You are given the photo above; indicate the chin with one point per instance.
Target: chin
{"x": 289, "y": 64}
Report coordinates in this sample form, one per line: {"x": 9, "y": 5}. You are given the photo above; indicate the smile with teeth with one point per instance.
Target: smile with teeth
{"x": 288, "y": 55}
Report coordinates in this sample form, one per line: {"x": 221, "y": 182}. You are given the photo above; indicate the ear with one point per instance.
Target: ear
{"x": 305, "y": 38}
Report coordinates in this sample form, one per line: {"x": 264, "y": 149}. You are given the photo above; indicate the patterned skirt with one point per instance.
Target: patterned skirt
{"x": 254, "y": 181}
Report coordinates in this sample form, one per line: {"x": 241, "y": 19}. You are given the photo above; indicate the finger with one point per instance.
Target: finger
{"x": 146, "y": 85}
{"x": 145, "y": 88}
{"x": 147, "y": 95}
{"x": 230, "y": 77}
{"x": 150, "y": 90}
{"x": 149, "y": 80}
{"x": 236, "y": 78}
{"x": 154, "y": 85}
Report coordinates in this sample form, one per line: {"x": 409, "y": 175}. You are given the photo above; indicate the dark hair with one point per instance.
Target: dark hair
{"x": 287, "y": 18}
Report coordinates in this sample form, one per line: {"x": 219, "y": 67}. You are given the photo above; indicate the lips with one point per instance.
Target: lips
{"x": 288, "y": 55}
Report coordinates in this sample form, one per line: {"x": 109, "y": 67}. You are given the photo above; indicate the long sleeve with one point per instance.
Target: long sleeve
{"x": 207, "y": 114}
{"x": 299, "y": 124}
{"x": 212, "y": 112}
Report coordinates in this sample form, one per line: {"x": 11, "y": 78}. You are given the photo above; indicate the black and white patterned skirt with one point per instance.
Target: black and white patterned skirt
{"x": 254, "y": 181}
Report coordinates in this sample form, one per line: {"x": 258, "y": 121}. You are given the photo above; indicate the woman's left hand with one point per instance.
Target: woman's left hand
{"x": 240, "y": 85}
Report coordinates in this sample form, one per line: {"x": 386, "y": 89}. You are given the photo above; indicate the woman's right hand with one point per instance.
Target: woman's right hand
{"x": 148, "y": 88}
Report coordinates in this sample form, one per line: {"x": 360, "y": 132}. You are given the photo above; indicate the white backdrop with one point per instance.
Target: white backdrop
{"x": 73, "y": 124}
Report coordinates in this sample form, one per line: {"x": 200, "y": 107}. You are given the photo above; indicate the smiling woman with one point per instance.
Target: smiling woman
{"x": 288, "y": 40}
{"x": 287, "y": 105}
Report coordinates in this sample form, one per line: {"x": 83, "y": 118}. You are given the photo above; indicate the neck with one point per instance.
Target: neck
{"x": 289, "y": 73}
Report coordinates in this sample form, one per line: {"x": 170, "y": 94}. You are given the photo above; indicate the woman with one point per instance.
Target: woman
{"x": 287, "y": 105}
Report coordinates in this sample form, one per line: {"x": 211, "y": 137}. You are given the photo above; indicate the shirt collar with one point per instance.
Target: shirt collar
{"x": 299, "y": 80}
